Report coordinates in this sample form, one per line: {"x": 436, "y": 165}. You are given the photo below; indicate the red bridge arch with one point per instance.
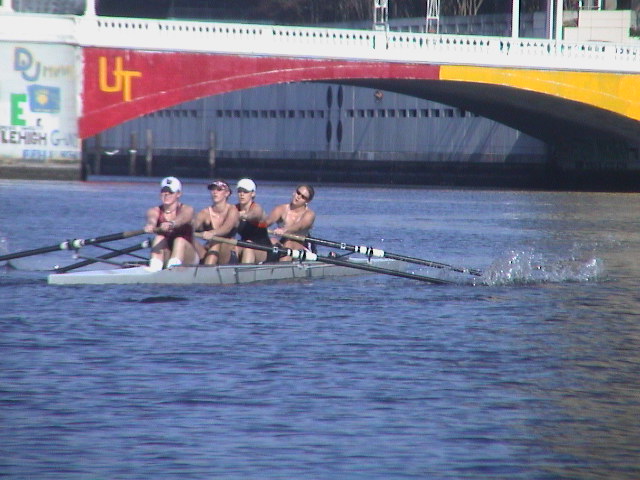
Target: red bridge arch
{"x": 120, "y": 85}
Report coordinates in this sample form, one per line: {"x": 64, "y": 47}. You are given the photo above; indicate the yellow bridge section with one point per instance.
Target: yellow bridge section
{"x": 618, "y": 93}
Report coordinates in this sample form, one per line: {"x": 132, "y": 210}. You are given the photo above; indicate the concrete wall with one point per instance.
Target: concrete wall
{"x": 603, "y": 26}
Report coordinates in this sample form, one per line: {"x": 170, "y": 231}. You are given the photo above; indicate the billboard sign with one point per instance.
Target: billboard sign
{"x": 38, "y": 102}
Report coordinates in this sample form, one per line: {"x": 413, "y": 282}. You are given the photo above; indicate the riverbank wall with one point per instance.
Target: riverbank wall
{"x": 511, "y": 173}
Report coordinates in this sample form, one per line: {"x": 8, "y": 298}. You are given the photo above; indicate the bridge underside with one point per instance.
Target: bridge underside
{"x": 536, "y": 114}
{"x": 572, "y": 129}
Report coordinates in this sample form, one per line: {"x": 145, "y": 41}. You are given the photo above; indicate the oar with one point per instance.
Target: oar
{"x": 106, "y": 256}
{"x": 145, "y": 244}
{"x": 375, "y": 252}
{"x": 304, "y": 255}
{"x": 72, "y": 244}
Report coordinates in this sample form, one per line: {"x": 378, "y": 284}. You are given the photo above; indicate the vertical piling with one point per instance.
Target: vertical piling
{"x": 133, "y": 153}
{"x": 97, "y": 155}
{"x": 212, "y": 154}
{"x": 149, "y": 154}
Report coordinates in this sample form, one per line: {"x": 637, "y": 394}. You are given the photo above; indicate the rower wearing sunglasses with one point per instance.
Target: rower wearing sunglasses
{"x": 294, "y": 218}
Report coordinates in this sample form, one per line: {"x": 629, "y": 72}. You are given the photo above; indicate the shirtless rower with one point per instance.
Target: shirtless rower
{"x": 295, "y": 218}
{"x": 219, "y": 219}
{"x": 252, "y": 227}
{"x": 171, "y": 222}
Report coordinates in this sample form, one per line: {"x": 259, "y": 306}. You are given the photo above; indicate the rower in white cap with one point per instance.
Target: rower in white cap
{"x": 171, "y": 222}
{"x": 252, "y": 227}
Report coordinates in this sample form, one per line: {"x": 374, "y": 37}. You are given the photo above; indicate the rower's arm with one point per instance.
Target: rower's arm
{"x": 152, "y": 220}
{"x": 304, "y": 223}
{"x": 198, "y": 221}
{"x": 255, "y": 213}
{"x": 230, "y": 223}
{"x": 184, "y": 217}
{"x": 274, "y": 216}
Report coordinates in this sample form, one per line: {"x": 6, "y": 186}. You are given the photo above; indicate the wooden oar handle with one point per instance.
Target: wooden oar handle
{"x": 290, "y": 236}
{"x": 215, "y": 238}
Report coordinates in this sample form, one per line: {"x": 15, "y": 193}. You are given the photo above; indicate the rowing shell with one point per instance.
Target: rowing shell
{"x": 219, "y": 275}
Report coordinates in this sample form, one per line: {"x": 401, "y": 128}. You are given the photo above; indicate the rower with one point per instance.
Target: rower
{"x": 252, "y": 227}
{"x": 220, "y": 219}
{"x": 295, "y": 218}
{"x": 171, "y": 222}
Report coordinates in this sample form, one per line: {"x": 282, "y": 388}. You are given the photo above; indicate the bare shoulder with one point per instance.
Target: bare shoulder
{"x": 257, "y": 210}
{"x": 153, "y": 211}
{"x": 188, "y": 209}
{"x": 204, "y": 211}
{"x": 279, "y": 209}
{"x": 232, "y": 211}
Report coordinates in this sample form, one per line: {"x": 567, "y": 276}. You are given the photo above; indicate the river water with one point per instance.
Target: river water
{"x": 529, "y": 372}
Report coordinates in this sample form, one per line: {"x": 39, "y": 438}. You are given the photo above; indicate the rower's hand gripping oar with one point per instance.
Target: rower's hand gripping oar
{"x": 310, "y": 256}
{"x": 376, "y": 252}
{"x": 72, "y": 244}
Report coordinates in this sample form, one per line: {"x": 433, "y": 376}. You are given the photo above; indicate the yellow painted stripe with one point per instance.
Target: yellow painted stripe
{"x": 618, "y": 93}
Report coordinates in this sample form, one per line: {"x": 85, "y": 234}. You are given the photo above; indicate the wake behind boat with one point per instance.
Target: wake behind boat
{"x": 225, "y": 274}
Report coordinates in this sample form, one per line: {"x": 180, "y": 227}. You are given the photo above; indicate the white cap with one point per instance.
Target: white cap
{"x": 247, "y": 184}
{"x": 172, "y": 183}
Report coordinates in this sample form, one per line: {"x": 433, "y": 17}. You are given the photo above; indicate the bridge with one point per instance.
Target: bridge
{"x": 68, "y": 77}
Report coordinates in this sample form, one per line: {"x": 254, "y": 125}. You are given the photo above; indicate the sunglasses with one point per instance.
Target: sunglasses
{"x": 304, "y": 197}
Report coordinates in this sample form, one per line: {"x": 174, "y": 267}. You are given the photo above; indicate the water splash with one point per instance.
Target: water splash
{"x": 527, "y": 267}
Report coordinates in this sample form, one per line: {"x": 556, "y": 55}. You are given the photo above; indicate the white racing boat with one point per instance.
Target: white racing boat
{"x": 226, "y": 274}
{"x": 305, "y": 265}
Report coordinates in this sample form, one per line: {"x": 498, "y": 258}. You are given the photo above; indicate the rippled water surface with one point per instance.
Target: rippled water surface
{"x": 529, "y": 372}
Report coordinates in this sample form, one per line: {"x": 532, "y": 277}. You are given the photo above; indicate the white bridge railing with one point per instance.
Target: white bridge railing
{"x": 328, "y": 43}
